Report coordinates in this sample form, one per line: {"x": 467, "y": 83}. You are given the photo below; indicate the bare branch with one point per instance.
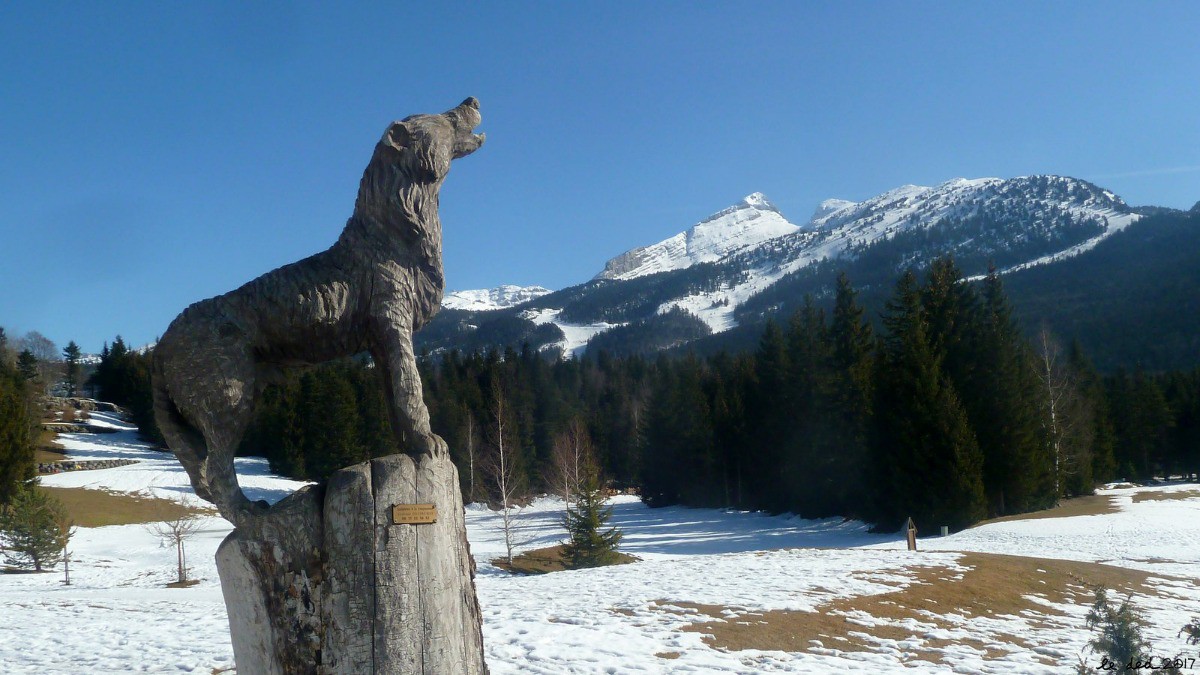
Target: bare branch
{"x": 177, "y": 526}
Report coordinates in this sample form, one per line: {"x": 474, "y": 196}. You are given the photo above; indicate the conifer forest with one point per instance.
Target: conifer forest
{"x": 944, "y": 410}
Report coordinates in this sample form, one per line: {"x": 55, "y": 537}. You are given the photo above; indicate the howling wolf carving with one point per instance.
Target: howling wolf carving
{"x": 381, "y": 281}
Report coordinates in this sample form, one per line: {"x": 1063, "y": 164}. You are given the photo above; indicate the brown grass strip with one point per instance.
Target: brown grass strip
{"x": 98, "y": 508}
{"x": 48, "y": 454}
{"x": 996, "y": 585}
{"x": 1159, "y": 496}
{"x": 47, "y": 448}
{"x": 1090, "y": 505}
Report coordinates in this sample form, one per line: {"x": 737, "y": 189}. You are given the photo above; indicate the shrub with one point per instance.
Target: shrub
{"x": 31, "y": 532}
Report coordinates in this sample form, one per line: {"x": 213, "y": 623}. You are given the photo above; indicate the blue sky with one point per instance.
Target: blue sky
{"x": 155, "y": 154}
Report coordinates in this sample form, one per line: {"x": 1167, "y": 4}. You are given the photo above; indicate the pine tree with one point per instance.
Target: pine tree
{"x": 852, "y": 390}
{"x": 681, "y": 460}
{"x": 71, "y": 354}
{"x": 768, "y": 400}
{"x": 27, "y": 364}
{"x": 332, "y": 437}
{"x": 4, "y": 354}
{"x": 17, "y": 433}
{"x": 1183, "y": 397}
{"x": 729, "y": 419}
{"x": 1071, "y": 426}
{"x": 1001, "y": 400}
{"x": 30, "y": 532}
{"x": 951, "y": 310}
{"x": 590, "y": 545}
{"x": 276, "y": 431}
{"x": 1142, "y": 421}
{"x": 808, "y": 470}
{"x": 123, "y": 377}
{"x": 931, "y": 462}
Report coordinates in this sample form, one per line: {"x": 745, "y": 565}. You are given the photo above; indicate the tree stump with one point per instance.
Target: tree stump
{"x": 375, "y": 597}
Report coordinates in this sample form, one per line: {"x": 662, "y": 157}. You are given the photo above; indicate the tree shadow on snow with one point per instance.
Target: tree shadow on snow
{"x": 677, "y": 530}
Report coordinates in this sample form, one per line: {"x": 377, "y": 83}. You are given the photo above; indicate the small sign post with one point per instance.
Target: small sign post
{"x": 414, "y": 514}
{"x": 912, "y": 534}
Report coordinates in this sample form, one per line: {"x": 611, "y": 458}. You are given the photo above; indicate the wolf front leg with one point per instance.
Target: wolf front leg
{"x": 394, "y": 356}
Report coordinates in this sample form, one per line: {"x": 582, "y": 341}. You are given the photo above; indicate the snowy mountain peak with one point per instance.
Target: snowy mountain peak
{"x": 759, "y": 201}
{"x": 486, "y": 299}
{"x": 751, "y": 221}
{"x": 829, "y": 207}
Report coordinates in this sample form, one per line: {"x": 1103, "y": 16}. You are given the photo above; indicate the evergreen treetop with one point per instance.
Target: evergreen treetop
{"x": 590, "y": 545}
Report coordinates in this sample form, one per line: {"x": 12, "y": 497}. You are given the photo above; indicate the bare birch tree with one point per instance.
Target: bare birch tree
{"x": 66, "y": 530}
{"x": 471, "y": 450}
{"x": 502, "y": 467}
{"x": 1065, "y": 412}
{"x": 570, "y": 459}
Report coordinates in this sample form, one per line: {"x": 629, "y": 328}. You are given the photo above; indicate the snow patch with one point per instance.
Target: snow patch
{"x": 576, "y": 335}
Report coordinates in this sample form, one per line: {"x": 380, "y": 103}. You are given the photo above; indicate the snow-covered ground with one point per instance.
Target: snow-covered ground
{"x": 118, "y": 617}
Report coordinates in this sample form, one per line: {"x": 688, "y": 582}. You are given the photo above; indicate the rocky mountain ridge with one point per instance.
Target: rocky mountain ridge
{"x": 748, "y": 261}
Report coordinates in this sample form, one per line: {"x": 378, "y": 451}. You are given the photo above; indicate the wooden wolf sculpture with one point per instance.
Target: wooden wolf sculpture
{"x": 327, "y": 581}
{"x": 367, "y": 293}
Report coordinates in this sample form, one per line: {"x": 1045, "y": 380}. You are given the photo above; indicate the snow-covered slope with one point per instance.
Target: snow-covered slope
{"x": 117, "y": 616}
{"x": 486, "y": 299}
{"x": 575, "y": 336}
{"x": 828, "y": 208}
{"x": 749, "y": 222}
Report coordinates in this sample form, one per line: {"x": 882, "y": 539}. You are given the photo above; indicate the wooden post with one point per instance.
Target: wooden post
{"x": 911, "y": 529}
{"x": 385, "y": 597}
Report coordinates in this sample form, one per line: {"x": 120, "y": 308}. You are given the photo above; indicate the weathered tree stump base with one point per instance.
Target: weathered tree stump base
{"x": 328, "y": 584}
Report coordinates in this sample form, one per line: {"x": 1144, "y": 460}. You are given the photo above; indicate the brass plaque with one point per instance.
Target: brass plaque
{"x": 414, "y": 514}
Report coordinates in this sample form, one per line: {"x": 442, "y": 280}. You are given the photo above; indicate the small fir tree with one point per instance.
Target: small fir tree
{"x": 1192, "y": 631}
{"x": 1120, "y": 640}
{"x": 590, "y": 544}
{"x": 30, "y": 531}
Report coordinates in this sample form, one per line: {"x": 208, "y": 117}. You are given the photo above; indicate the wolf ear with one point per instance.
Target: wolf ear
{"x": 398, "y": 136}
